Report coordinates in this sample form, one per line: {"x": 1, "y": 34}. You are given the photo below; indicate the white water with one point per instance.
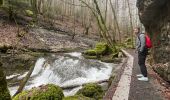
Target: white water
{"x": 65, "y": 71}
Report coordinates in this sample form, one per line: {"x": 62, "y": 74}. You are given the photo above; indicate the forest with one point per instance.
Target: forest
{"x": 83, "y": 49}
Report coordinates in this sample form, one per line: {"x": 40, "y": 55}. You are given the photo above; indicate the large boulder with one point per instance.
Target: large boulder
{"x": 45, "y": 92}
{"x": 100, "y": 49}
{"x": 155, "y": 16}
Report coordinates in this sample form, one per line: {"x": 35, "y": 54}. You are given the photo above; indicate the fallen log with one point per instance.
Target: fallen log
{"x": 24, "y": 81}
{"x": 78, "y": 85}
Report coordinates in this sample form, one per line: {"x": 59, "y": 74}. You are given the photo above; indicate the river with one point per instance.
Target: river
{"x": 65, "y": 70}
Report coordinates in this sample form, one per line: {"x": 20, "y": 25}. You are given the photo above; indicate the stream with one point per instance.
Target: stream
{"x": 65, "y": 70}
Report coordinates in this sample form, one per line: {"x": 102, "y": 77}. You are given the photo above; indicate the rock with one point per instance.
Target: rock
{"x": 100, "y": 49}
{"x": 162, "y": 70}
{"x": 46, "y": 92}
{"x": 155, "y": 16}
{"x": 92, "y": 91}
{"x": 90, "y": 57}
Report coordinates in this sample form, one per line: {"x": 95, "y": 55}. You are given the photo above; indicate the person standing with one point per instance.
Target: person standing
{"x": 142, "y": 54}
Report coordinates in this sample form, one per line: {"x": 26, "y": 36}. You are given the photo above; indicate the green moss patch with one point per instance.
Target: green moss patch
{"x": 100, "y": 49}
{"x": 77, "y": 97}
{"x": 103, "y": 52}
{"x": 29, "y": 13}
{"x": 92, "y": 91}
{"x": 47, "y": 92}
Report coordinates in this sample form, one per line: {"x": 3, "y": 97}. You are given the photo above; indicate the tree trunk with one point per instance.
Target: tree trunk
{"x": 131, "y": 23}
{"x": 74, "y": 86}
{"x": 116, "y": 21}
{"x": 24, "y": 81}
{"x": 4, "y": 92}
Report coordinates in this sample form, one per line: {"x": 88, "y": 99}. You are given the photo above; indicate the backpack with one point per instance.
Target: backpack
{"x": 148, "y": 42}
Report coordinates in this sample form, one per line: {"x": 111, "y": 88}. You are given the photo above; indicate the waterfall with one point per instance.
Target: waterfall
{"x": 67, "y": 69}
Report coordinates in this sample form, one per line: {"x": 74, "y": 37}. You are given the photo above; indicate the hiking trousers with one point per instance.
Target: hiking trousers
{"x": 141, "y": 61}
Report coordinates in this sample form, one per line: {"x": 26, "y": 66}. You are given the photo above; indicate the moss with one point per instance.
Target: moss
{"x": 107, "y": 59}
{"x": 90, "y": 52}
{"x": 77, "y": 97}
{"x": 21, "y": 34}
{"x": 47, "y": 92}
{"x": 112, "y": 77}
{"x": 4, "y": 92}
{"x": 128, "y": 40}
{"x": 100, "y": 49}
{"x": 92, "y": 91}
{"x": 29, "y": 13}
{"x": 104, "y": 53}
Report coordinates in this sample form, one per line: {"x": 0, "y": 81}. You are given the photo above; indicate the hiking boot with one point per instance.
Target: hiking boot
{"x": 139, "y": 75}
{"x": 143, "y": 79}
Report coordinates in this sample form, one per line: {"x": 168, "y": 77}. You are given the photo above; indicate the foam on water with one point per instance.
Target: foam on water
{"x": 66, "y": 71}
{"x": 75, "y": 54}
{"x": 12, "y": 76}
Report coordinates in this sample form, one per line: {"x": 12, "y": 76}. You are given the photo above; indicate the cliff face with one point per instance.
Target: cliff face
{"x": 155, "y": 16}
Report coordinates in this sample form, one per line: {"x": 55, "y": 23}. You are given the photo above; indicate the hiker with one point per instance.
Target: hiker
{"x": 142, "y": 50}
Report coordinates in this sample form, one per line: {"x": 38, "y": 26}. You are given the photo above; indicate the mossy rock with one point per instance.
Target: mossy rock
{"x": 77, "y": 97}
{"x": 128, "y": 40}
{"x": 107, "y": 59}
{"x": 92, "y": 91}
{"x": 100, "y": 49}
{"x": 29, "y": 13}
{"x": 115, "y": 55}
{"x": 46, "y": 92}
{"x": 90, "y": 57}
{"x": 90, "y": 52}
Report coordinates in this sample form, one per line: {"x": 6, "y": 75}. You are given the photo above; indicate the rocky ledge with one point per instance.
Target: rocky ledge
{"x": 155, "y": 16}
